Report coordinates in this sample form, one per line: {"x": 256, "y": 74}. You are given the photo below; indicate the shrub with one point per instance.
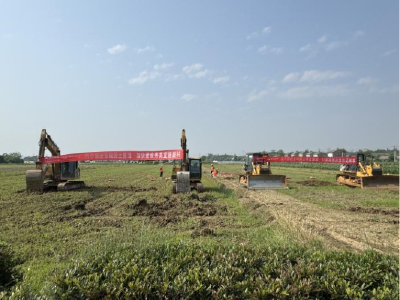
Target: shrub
{"x": 181, "y": 271}
{"x": 8, "y": 273}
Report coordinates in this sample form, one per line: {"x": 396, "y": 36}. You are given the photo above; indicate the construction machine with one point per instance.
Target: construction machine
{"x": 258, "y": 173}
{"x": 52, "y": 176}
{"x": 186, "y": 175}
{"x": 366, "y": 174}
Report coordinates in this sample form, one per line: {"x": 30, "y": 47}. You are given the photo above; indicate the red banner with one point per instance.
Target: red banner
{"x": 115, "y": 155}
{"x": 323, "y": 160}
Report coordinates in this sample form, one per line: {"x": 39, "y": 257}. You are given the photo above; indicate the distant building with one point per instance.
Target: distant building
{"x": 309, "y": 154}
{"x": 384, "y": 157}
{"x": 335, "y": 153}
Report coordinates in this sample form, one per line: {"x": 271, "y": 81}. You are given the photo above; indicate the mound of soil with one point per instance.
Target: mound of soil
{"x": 315, "y": 183}
{"x": 172, "y": 210}
{"x": 367, "y": 210}
{"x": 203, "y": 232}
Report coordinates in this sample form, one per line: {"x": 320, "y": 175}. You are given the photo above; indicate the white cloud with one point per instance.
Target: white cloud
{"x": 318, "y": 76}
{"x": 172, "y": 77}
{"x": 265, "y": 49}
{"x": 162, "y": 66}
{"x": 315, "y": 91}
{"x": 366, "y": 80}
{"x": 291, "y": 77}
{"x": 334, "y": 45}
{"x": 195, "y": 71}
{"x": 312, "y": 76}
{"x": 117, "y": 49}
{"x": 322, "y": 39}
{"x": 389, "y": 52}
{"x": 266, "y": 30}
{"x": 322, "y": 45}
{"x": 144, "y": 77}
{"x": 252, "y": 35}
{"x": 276, "y": 50}
{"x": 254, "y": 95}
{"x": 221, "y": 80}
{"x": 200, "y": 74}
{"x": 359, "y": 33}
{"x": 145, "y": 49}
{"x": 306, "y": 48}
{"x": 188, "y": 97}
{"x": 192, "y": 68}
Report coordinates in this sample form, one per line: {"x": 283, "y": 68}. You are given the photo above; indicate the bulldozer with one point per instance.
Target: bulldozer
{"x": 366, "y": 174}
{"x": 258, "y": 174}
{"x": 187, "y": 175}
{"x": 52, "y": 176}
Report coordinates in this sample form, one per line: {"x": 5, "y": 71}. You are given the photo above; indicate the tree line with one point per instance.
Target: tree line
{"x": 11, "y": 158}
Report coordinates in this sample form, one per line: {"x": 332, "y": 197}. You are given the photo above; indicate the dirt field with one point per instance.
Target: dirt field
{"x": 130, "y": 207}
{"x": 356, "y": 228}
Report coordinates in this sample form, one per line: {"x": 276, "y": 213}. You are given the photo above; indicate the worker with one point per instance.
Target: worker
{"x": 215, "y": 173}
{"x": 212, "y": 169}
{"x": 161, "y": 171}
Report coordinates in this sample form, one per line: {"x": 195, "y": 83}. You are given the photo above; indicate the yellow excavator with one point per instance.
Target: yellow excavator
{"x": 258, "y": 173}
{"x": 364, "y": 174}
{"x": 187, "y": 175}
{"x": 52, "y": 176}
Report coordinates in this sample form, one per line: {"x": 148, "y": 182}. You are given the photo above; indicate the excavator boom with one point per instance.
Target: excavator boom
{"x": 56, "y": 174}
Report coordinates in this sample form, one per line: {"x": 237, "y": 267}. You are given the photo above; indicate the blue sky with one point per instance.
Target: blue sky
{"x": 238, "y": 76}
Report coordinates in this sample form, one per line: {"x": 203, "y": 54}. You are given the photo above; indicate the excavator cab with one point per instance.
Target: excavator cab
{"x": 70, "y": 170}
{"x": 195, "y": 168}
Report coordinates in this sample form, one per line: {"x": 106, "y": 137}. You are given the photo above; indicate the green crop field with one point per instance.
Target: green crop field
{"x": 127, "y": 236}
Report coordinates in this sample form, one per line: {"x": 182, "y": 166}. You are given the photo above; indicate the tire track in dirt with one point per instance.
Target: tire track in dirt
{"x": 341, "y": 229}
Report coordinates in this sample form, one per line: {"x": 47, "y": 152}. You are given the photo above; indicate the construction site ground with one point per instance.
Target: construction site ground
{"x": 129, "y": 205}
{"x": 316, "y": 208}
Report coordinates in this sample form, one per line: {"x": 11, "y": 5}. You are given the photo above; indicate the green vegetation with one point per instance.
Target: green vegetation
{"x": 8, "y": 267}
{"x": 127, "y": 233}
{"x": 182, "y": 271}
{"x": 11, "y": 158}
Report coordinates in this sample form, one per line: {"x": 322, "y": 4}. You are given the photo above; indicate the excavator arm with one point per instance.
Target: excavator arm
{"x": 59, "y": 174}
{"x": 47, "y": 142}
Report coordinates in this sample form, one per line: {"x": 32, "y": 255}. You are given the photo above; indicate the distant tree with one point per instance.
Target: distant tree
{"x": 13, "y": 158}
{"x": 341, "y": 150}
{"x": 2, "y": 159}
{"x": 280, "y": 152}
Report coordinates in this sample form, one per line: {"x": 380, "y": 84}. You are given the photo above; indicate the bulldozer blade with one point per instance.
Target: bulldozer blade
{"x": 383, "y": 181}
{"x": 264, "y": 182}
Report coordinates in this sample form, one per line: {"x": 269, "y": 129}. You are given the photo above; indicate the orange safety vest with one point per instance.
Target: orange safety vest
{"x": 212, "y": 168}
{"x": 215, "y": 172}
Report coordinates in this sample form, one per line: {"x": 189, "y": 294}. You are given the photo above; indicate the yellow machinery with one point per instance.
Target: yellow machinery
{"x": 54, "y": 176}
{"x": 258, "y": 173}
{"x": 188, "y": 174}
{"x": 365, "y": 174}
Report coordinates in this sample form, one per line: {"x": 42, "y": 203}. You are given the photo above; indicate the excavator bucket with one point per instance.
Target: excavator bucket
{"x": 34, "y": 181}
{"x": 383, "y": 181}
{"x": 265, "y": 181}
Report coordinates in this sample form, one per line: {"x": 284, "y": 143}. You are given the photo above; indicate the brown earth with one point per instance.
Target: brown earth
{"x": 315, "y": 183}
{"x": 356, "y": 229}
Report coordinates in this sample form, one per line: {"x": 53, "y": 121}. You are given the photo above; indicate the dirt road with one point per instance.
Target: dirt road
{"x": 356, "y": 229}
